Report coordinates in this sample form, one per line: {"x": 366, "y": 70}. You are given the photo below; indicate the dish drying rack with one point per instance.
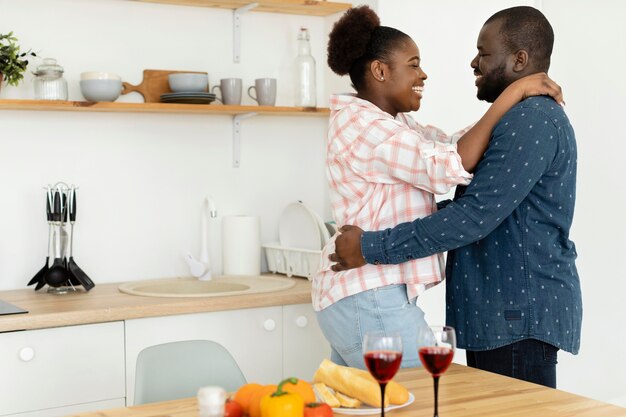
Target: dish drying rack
{"x": 302, "y": 234}
{"x": 292, "y": 261}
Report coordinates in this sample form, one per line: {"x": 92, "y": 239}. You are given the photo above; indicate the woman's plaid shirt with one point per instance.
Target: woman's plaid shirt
{"x": 383, "y": 171}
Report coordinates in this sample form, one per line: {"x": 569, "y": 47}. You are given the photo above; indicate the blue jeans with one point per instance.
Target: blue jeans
{"x": 382, "y": 309}
{"x": 529, "y": 360}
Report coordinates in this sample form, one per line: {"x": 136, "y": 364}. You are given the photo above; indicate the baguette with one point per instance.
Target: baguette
{"x": 345, "y": 380}
{"x": 347, "y": 402}
{"x": 325, "y": 395}
{"x": 396, "y": 392}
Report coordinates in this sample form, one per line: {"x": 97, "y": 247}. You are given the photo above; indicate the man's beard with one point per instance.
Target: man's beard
{"x": 493, "y": 85}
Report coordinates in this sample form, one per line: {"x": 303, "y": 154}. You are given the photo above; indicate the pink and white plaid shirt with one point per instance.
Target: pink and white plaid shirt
{"x": 383, "y": 172}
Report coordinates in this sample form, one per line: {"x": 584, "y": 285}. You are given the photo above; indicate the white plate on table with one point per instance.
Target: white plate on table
{"x": 366, "y": 410}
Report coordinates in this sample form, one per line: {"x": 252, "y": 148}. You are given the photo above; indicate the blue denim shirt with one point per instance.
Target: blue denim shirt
{"x": 511, "y": 272}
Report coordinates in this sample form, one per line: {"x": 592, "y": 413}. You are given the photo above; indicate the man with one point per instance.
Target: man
{"x": 512, "y": 289}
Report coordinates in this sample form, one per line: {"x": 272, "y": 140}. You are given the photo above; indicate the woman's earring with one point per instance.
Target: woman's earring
{"x": 382, "y": 78}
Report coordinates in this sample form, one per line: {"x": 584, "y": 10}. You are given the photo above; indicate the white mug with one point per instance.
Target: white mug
{"x": 230, "y": 89}
{"x": 265, "y": 89}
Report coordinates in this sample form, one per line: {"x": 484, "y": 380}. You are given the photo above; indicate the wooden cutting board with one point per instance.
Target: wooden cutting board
{"x": 154, "y": 84}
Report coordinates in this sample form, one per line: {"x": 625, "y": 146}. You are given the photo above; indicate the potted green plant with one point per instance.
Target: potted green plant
{"x": 13, "y": 62}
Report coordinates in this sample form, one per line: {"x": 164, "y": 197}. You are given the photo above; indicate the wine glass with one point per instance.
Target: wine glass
{"x": 383, "y": 355}
{"x": 437, "y": 354}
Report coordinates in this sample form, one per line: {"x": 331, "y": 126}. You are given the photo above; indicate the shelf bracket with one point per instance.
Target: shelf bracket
{"x": 237, "y": 29}
{"x": 237, "y": 137}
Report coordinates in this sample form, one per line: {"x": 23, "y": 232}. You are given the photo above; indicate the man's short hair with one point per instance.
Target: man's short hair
{"x": 525, "y": 27}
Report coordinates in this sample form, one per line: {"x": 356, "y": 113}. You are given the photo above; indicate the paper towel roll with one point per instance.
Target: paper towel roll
{"x": 241, "y": 245}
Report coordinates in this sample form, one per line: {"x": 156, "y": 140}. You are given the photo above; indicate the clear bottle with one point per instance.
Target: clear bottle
{"x": 211, "y": 401}
{"x": 306, "y": 92}
{"x": 49, "y": 81}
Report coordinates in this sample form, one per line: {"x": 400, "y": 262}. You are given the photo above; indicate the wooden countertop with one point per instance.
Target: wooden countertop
{"x": 106, "y": 303}
{"x": 463, "y": 392}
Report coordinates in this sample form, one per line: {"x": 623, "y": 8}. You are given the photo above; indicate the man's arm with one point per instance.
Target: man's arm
{"x": 516, "y": 159}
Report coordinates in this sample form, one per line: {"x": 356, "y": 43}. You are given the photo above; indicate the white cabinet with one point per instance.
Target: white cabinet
{"x": 253, "y": 336}
{"x": 44, "y": 372}
{"x": 268, "y": 343}
{"x": 304, "y": 345}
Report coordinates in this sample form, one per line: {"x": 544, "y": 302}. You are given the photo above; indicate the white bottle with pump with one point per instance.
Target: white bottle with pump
{"x": 306, "y": 92}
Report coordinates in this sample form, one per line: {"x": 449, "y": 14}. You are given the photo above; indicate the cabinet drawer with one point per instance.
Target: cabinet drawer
{"x": 304, "y": 344}
{"x": 59, "y": 367}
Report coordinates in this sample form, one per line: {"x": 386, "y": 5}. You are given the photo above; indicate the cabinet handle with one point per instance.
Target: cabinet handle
{"x": 269, "y": 325}
{"x": 27, "y": 354}
{"x": 302, "y": 321}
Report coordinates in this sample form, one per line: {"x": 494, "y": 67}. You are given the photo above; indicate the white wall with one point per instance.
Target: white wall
{"x": 143, "y": 177}
{"x": 588, "y": 59}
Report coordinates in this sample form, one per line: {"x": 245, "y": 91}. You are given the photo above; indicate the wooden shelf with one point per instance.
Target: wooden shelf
{"x": 302, "y": 7}
{"x": 217, "y": 109}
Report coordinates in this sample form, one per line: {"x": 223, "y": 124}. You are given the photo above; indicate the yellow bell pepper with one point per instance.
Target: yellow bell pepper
{"x": 282, "y": 403}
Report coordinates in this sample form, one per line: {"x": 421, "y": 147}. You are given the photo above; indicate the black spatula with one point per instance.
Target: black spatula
{"x": 74, "y": 270}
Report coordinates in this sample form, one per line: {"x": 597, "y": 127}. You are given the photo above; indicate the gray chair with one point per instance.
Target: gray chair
{"x": 176, "y": 370}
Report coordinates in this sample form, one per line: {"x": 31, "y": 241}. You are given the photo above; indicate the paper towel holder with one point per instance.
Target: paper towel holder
{"x": 201, "y": 269}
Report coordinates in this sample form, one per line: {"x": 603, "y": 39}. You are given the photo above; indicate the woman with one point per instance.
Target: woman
{"x": 383, "y": 170}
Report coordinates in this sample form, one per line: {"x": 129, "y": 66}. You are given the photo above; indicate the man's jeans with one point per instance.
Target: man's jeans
{"x": 529, "y": 360}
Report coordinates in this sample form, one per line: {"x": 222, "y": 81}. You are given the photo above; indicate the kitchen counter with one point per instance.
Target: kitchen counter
{"x": 463, "y": 392}
{"x": 106, "y": 303}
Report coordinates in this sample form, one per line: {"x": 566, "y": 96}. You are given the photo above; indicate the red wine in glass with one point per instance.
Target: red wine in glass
{"x": 382, "y": 355}
{"x": 437, "y": 355}
{"x": 383, "y": 364}
{"x": 436, "y": 359}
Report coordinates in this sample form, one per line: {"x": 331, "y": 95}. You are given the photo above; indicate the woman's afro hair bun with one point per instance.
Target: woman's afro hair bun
{"x": 349, "y": 38}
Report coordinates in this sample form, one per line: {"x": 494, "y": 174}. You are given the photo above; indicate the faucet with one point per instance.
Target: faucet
{"x": 201, "y": 269}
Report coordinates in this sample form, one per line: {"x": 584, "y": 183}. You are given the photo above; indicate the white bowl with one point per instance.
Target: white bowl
{"x": 184, "y": 82}
{"x": 101, "y": 89}
{"x": 99, "y": 75}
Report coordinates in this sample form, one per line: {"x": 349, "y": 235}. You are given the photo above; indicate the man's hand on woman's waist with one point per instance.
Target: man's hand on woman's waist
{"x": 348, "y": 253}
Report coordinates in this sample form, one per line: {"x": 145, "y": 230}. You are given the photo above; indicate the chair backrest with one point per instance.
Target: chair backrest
{"x": 176, "y": 370}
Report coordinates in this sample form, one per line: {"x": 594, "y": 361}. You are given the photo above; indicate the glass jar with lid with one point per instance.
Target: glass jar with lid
{"x": 49, "y": 81}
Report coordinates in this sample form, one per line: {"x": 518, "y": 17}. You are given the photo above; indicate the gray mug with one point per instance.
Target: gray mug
{"x": 265, "y": 89}
{"x": 230, "y": 90}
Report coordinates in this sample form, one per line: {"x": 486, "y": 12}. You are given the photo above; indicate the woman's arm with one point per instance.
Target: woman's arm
{"x": 474, "y": 142}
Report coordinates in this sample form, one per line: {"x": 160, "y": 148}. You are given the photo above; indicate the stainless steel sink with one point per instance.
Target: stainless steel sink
{"x": 217, "y": 287}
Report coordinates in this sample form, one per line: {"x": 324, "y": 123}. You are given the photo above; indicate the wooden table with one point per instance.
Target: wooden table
{"x": 463, "y": 392}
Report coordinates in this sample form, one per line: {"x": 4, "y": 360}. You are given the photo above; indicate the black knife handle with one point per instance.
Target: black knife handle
{"x": 48, "y": 205}
{"x": 64, "y": 207}
{"x": 56, "y": 207}
{"x": 73, "y": 205}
